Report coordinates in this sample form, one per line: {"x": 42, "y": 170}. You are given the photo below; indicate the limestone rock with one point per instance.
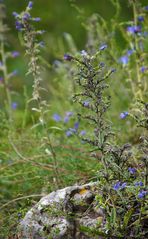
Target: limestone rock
{"x": 62, "y": 215}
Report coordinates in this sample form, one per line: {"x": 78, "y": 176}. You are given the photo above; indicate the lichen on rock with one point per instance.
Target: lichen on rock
{"x": 62, "y": 214}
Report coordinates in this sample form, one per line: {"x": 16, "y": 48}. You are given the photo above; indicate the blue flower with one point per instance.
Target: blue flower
{"x": 140, "y": 18}
{"x": 67, "y": 57}
{"x": 76, "y": 125}
{"x": 66, "y": 119}
{"x": 123, "y": 115}
{"x": 69, "y": 133}
{"x": 116, "y": 186}
{"x": 138, "y": 184}
{"x": 146, "y": 8}
{"x": 15, "y": 54}
{"x": 30, "y": 4}
{"x": 86, "y": 103}
{"x": 102, "y": 47}
{"x": 130, "y": 52}
{"x": 142, "y": 194}
{"x": 1, "y": 78}
{"x": 124, "y": 59}
{"x": 83, "y": 132}
{"x": 134, "y": 29}
{"x": 57, "y": 117}
{"x": 143, "y": 69}
{"x": 14, "y": 105}
{"x": 132, "y": 170}
{"x": 119, "y": 186}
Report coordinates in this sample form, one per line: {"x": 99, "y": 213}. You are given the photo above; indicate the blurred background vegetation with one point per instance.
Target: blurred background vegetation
{"x": 58, "y": 18}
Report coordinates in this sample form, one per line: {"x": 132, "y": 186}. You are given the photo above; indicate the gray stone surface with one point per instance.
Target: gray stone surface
{"x": 62, "y": 215}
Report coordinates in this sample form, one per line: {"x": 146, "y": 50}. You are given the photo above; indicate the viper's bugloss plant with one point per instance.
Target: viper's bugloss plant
{"x": 134, "y": 60}
{"x": 25, "y": 24}
{"x": 122, "y": 187}
{"x": 5, "y": 55}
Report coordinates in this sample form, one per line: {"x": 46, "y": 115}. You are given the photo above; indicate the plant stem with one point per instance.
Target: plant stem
{"x": 138, "y": 92}
{"x": 5, "y": 81}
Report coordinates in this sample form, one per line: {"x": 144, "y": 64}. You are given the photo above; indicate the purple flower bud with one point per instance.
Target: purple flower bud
{"x": 102, "y": 64}
{"x": 113, "y": 70}
{"x": 132, "y": 170}
{"x": 36, "y": 19}
{"x": 84, "y": 53}
{"x": 14, "y": 105}
{"x": 26, "y": 16}
{"x": 68, "y": 133}
{"x": 14, "y": 73}
{"x": 30, "y": 4}
{"x": 123, "y": 115}
{"x": 86, "y": 103}
{"x": 19, "y": 26}
{"x": 143, "y": 69}
{"x": 57, "y": 117}
{"x": 124, "y": 59}
{"x": 76, "y": 125}
{"x": 15, "y": 14}
{"x": 66, "y": 119}
{"x": 130, "y": 52}
{"x": 103, "y": 47}
{"x": 123, "y": 185}
{"x": 140, "y": 18}
{"x": 83, "y": 132}
{"x": 69, "y": 113}
{"x": 67, "y": 57}
{"x": 1, "y": 79}
{"x": 15, "y": 54}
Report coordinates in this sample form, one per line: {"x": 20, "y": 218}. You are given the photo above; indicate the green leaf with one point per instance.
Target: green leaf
{"x": 127, "y": 217}
{"x": 113, "y": 216}
{"x": 56, "y": 128}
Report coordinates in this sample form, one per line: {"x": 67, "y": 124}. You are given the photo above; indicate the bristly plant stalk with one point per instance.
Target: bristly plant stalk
{"x": 3, "y": 30}
{"x": 32, "y": 45}
{"x": 138, "y": 93}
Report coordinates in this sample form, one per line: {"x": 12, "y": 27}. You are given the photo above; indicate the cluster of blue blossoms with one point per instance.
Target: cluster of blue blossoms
{"x": 119, "y": 185}
{"x": 22, "y": 19}
{"x": 70, "y": 131}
